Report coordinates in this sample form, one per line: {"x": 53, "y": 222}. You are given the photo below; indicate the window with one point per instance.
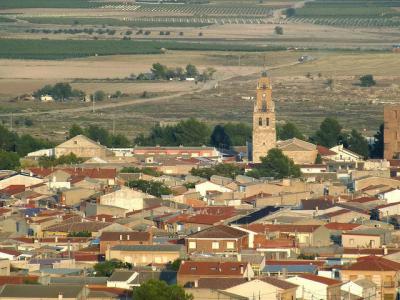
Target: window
{"x": 351, "y": 241}
{"x": 230, "y": 245}
{"x": 267, "y": 120}
{"x": 192, "y": 245}
{"x": 260, "y": 121}
{"x": 215, "y": 245}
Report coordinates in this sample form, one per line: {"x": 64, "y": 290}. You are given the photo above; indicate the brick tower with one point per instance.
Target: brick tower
{"x": 264, "y": 133}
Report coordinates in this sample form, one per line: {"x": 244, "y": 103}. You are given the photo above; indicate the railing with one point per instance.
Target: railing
{"x": 388, "y": 284}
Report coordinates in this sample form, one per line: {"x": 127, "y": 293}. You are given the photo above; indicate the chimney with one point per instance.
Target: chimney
{"x": 385, "y": 250}
{"x": 127, "y": 237}
{"x": 56, "y": 239}
{"x": 103, "y": 219}
{"x": 196, "y": 283}
{"x": 120, "y": 237}
{"x": 60, "y": 296}
{"x": 241, "y": 269}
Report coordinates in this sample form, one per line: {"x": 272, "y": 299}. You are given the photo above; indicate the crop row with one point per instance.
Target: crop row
{"x": 61, "y": 49}
{"x": 178, "y": 21}
{"x": 349, "y": 22}
{"x": 195, "y": 9}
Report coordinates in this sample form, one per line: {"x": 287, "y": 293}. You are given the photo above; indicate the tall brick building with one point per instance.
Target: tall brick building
{"x": 391, "y": 117}
{"x": 264, "y": 133}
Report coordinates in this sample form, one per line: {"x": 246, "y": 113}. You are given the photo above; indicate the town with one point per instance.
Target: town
{"x": 273, "y": 219}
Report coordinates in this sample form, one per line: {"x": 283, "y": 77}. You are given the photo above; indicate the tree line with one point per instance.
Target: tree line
{"x": 14, "y": 146}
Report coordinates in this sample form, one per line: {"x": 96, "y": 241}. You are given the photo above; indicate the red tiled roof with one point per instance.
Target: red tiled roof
{"x": 364, "y": 199}
{"x": 208, "y": 268}
{"x": 10, "y": 252}
{"x": 388, "y": 205}
{"x": 341, "y": 226}
{"x": 219, "y": 231}
{"x": 374, "y": 263}
{"x": 215, "y": 210}
{"x": 13, "y": 189}
{"x": 195, "y": 203}
{"x": 320, "y": 279}
{"x": 261, "y": 242}
{"x": 261, "y": 228}
{"x": 126, "y": 236}
{"x": 91, "y": 173}
{"x": 17, "y": 279}
{"x": 4, "y": 210}
{"x": 323, "y": 151}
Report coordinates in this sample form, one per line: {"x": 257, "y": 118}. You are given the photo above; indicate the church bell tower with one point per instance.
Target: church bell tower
{"x": 264, "y": 132}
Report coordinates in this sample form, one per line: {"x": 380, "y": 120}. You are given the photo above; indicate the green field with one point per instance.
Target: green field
{"x": 352, "y": 13}
{"x": 6, "y": 20}
{"x": 61, "y": 49}
{"x": 140, "y": 22}
{"x": 9, "y": 4}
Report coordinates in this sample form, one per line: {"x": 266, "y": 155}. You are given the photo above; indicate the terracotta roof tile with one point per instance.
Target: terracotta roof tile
{"x": 374, "y": 263}
{"x": 126, "y": 236}
{"x": 208, "y": 268}
{"x": 341, "y": 226}
{"x": 320, "y": 279}
{"x": 219, "y": 231}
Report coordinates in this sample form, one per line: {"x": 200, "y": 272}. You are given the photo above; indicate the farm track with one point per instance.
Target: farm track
{"x": 137, "y": 101}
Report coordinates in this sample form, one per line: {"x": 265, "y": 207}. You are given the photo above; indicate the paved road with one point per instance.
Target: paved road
{"x": 132, "y": 102}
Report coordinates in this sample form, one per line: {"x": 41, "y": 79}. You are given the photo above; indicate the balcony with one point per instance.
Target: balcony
{"x": 388, "y": 284}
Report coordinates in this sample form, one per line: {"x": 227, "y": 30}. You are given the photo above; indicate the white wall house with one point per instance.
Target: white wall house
{"x": 204, "y": 187}
{"x": 125, "y": 198}
{"x": 363, "y": 288}
{"x": 344, "y": 155}
{"x": 311, "y": 287}
{"x": 391, "y": 196}
{"x": 123, "y": 280}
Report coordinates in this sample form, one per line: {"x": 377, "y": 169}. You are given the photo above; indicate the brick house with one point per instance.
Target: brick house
{"x": 190, "y": 272}
{"x": 111, "y": 239}
{"x": 384, "y": 273}
{"x": 217, "y": 239}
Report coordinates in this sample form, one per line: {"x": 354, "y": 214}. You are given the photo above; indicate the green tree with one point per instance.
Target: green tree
{"x": 61, "y": 91}
{"x": 191, "y": 71}
{"x": 154, "y": 188}
{"x": 98, "y": 134}
{"x": 226, "y": 170}
{"x": 318, "y": 159}
{"x": 99, "y": 96}
{"x": 219, "y": 138}
{"x": 276, "y": 165}
{"x": 367, "y": 80}
{"x": 119, "y": 141}
{"x": 70, "y": 159}
{"x": 159, "y": 71}
{"x": 377, "y": 147}
{"x": 9, "y": 160}
{"x": 329, "y": 133}
{"x": 192, "y": 132}
{"x": 288, "y": 131}
{"x": 8, "y": 139}
{"x": 239, "y": 133}
{"x": 278, "y": 30}
{"x": 106, "y": 268}
{"x": 80, "y": 234}
{"x": 74, "y": 131}
{"x": 374, "y": 214}
{"x": 290, "y": 12}
{"x": 156, "y": 289}
{"x": 358, "y": 144}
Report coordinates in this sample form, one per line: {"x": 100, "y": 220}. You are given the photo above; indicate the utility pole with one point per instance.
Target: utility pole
{"x": 113, "y": 127}
{"x": 11, "y": 122}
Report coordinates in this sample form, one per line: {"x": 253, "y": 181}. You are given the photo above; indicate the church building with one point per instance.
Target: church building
{"x": 264, "y": 132}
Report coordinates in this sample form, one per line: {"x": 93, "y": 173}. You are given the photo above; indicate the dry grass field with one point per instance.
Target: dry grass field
{"x": 302, "y": 98}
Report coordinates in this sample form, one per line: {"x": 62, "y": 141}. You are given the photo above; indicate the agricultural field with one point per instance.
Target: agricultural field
{"x": 349, "y": 13}
{"x": 301, "y": 91}
{"x": 15, "y": 4}
{"x": 61, "y": 49}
